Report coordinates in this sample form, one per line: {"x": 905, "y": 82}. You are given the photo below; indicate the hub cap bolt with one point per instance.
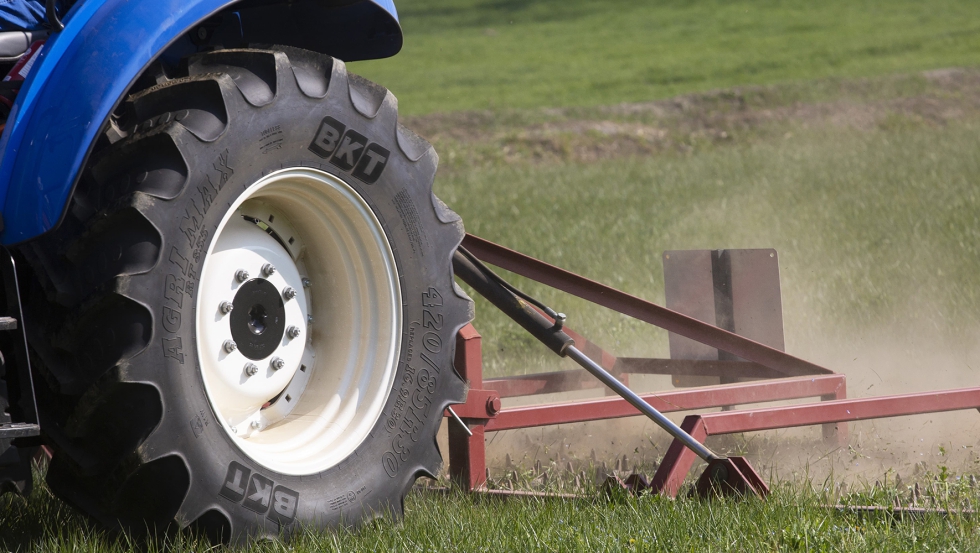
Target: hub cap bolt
{"x": 293, "y": 332}
{"x": 289, "y": 293}
{"x": 226, "y": 307}
{"x": 256, "y": 424}
{"x": 268, "y": 270}
{"x": 229, "y": 346}
{"x": 277, "y": 363}
{"x": 307, "y": 282}
{"x": 241, "y": 275}
{"x": 251, "y": 369}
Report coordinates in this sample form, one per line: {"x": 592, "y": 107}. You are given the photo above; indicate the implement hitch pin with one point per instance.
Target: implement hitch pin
{"x": 644, "y": 407}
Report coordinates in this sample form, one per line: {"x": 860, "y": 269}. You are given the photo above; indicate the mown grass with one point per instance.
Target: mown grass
{"x": 796, "y": 517}
{"x": 478, "y": 54}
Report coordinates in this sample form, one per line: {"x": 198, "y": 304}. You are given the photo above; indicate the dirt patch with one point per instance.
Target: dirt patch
{"x": 686, "y": 123}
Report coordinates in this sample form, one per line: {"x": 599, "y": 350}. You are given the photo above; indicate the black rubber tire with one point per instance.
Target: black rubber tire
{"x": 120, "y": 391}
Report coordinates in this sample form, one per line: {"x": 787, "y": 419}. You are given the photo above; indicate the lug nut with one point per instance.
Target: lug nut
{"x": 226, "y": 307}
{"x": 289, "y": 292}
{"x": 234, "y": 429}
{"x": 268, "y": 270}
{"x": 229, "y": 346}
{"x": 256, "y": 424}
{"x": 292, "y": 332}
{"x": 309, "y": 319}
{"x": 277, "y": 363}
{"x": 307, "y": 282}
{"x": 241, "y": 275}
{"x": 251, "y": 369}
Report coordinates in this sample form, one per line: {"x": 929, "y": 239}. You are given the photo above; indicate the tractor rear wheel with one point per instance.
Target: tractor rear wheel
{"x": 249, "y": 316}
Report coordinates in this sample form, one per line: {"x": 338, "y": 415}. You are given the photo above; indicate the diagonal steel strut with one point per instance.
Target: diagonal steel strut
{"x": 637, "y": 308}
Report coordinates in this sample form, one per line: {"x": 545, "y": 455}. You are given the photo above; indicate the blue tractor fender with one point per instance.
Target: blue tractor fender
{"x": 84, "y": 71}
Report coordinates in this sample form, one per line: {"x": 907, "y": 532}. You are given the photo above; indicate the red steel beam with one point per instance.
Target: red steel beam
{"x": 579, "y": 379}
{"x": 677, "y": 463}
{"x": 467, "y": 453}
{"x": 543, "y": 383}
{"x": 693, "y": 367}
{"x": 675, "y": 400}
{"x": 637, "y": 308}
{"x": 845, "y": 410}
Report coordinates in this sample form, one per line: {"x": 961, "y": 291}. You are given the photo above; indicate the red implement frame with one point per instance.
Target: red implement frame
{"x": 787, "y": 377}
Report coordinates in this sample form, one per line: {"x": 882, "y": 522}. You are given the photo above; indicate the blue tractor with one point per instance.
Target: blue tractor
{"x": 229, "y": 300}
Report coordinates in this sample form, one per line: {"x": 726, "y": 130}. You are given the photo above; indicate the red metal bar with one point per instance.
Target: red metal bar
{"x": 542, "y": 383}
{"x": 677, "y": 463}
{"x": 577, "y": 379}
{"x": 640, "y": 309}
{"x": 691, "y": 367}
{"x": 467, "y": 454}
{"x": 841, "y": 411}
{"x": 836, "y": 430}
{"x": 665, "y": 402}
{"x": 678, "y": 460}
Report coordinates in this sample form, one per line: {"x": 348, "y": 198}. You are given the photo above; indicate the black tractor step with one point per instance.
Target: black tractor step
{"x": 8, "y": 323}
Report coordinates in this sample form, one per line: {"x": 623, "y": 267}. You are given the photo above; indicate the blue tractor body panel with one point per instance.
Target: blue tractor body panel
{"x": 84, "y": 71}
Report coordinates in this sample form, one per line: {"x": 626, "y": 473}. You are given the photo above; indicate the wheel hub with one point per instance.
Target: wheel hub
{"x": 258, "y": 319}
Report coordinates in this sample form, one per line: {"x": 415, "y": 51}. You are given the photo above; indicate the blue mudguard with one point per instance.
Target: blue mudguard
{"x": 85, "y": 70}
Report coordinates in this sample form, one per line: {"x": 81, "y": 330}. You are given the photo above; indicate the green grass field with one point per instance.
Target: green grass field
{"x": 596, "y": 135}
{"x": 793, "y": 518}
{"x": 461, "y": 54}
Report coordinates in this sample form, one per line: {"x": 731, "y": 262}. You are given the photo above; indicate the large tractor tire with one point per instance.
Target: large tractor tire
{"x": 247, "y": 322}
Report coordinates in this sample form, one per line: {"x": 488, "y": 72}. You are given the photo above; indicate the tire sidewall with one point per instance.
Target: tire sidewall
{"x": 375, "y": 477}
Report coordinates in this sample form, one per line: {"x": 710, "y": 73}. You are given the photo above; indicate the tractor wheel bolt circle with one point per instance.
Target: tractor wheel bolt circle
{"x": 289, "y": 293}
{"x": 226, "y": 307}
{"x": 229, "y": 346}
{"x": 241, "y": 275}
{"x": 268, "y": 270}
{"x": 293, "y": 332}
{"x": 277, "y": 363}
{"x": 251, "y": 369}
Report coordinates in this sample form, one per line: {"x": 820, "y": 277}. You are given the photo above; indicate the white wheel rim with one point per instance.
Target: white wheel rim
{"x": 336, "y": 375}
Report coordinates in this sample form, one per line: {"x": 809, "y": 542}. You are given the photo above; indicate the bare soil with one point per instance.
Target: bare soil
{"x": 685, "y": 123}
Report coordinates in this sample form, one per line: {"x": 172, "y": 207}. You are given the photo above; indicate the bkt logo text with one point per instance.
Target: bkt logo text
{"x": 349, "y": 150}
{"x": 260, "y": 494}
